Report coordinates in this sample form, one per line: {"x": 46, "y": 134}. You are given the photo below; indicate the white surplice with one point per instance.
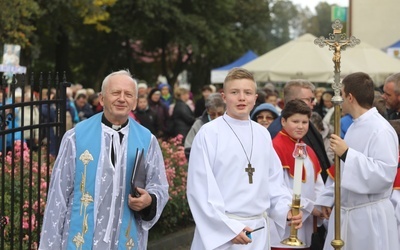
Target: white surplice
{"x": 61, "y": 191}
{"x": 367, "y": 175}
{"x": 395, "y": 198}
{"x": 220, "y": 196}
{"x": 310, "y": 190}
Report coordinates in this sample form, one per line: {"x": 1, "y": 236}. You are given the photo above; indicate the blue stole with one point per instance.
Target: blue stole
{"x": 88, "y": 134}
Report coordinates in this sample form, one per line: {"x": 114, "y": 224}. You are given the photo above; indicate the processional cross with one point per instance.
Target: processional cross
{"x": 250, "y": 170}
{"x": 337, "y": 42}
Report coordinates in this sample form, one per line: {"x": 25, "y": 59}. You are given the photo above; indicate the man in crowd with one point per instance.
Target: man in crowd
{"x": 391, "y": 95}
{"x": 215, "y": 107}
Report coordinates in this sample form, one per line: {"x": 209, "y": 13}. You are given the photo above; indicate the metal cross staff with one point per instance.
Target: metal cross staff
{"x": 337, "y": 42}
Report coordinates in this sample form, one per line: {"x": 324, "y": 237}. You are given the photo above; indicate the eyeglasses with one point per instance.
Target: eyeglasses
{"x": 214, "y": 115}
{"x": 262, "y": 117}
{"x": 310, "y": 99}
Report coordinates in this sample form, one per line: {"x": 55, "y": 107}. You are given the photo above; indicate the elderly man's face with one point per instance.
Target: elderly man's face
{"x": 119, "y": 98}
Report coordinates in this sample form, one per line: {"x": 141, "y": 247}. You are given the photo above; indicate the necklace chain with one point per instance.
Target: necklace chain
{"x": 241, "y": 144}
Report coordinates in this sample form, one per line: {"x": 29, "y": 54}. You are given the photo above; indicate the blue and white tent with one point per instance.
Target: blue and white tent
{"x": 394, "y": 50}
{"x": 218, "y": 75}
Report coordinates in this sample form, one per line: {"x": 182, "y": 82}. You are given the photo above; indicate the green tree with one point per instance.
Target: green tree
{"x": 178, "y": 35}
{"x": 306, "y": 22}
{"x": 283, "y": 17}
{"x": 323, "y": 17}
{"x": 318, "y": 24}
{"x": 88, "y": 39}
{"x": 59, "y": 29}
{"x": 16, "y": 21}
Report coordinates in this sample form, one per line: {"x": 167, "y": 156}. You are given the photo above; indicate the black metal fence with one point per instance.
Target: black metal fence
{"x": 32, "y": 123}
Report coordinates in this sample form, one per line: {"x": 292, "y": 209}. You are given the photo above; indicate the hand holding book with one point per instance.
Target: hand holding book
{"x": 138, "y": 178}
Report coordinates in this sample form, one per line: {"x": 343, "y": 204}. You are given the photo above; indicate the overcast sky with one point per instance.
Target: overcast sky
{"x": 312, "y": 3}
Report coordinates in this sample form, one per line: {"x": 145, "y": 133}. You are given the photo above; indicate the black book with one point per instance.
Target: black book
{"x": 138, "y": 178}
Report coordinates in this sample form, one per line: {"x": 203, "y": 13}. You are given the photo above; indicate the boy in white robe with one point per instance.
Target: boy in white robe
{"x": 369, "y": 158}
{"x": 235, "y": 176}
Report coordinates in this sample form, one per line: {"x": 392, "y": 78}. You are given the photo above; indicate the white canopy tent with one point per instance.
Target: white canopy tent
{"x": 301, "y": 58}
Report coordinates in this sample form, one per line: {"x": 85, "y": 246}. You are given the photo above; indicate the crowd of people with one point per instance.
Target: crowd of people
{"x": 239, "y": 142}
{"x": 220, "y": 193}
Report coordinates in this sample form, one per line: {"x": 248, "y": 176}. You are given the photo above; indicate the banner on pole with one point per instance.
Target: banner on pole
{"x": 340, "y": 13}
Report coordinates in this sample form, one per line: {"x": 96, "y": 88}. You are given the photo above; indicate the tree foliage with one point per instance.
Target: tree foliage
{"x": 90, "y": 38}
{"x": 16, "y": 21}
{"x": 323, "y": 19}
{"x": 283, "y": 16}
{"x": 175, "y": 35}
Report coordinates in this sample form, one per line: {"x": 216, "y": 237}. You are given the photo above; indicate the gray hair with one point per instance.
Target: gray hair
{"x": 316, "y": 120}
{"x": 106, "y": 80}
{"x": 395, "y": 78}
{"x": 214, "y": 101}
{"x": 292, "y": 87}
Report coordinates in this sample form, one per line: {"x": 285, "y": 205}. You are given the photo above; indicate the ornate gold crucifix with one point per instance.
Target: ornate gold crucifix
{"x": 337, "y": 42}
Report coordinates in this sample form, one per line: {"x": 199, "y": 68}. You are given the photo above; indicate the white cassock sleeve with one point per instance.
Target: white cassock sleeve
{"x": 205, "y": 199}
{"x": 308, "y": 204}
{"x": 280, "y": 195}
{"x": 395, "y": 199}
{"x": 60, "y": 195}
{"x": 375, "y": 172}
{"x": 157, "y": 183}
{"x": 366, "y": 174}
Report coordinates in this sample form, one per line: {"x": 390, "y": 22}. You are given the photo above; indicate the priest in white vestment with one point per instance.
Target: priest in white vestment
{"x": 90, "y": 202}
{"x": 235, "y": 178}
{"x": 369, "y": 159}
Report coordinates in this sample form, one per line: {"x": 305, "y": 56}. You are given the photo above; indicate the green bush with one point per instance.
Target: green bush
{"x": 176, "y": 214}
{"x": 25, "y": 191}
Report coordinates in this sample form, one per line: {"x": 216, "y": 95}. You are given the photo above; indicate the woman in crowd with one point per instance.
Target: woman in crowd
{"x": 264, "y": 114}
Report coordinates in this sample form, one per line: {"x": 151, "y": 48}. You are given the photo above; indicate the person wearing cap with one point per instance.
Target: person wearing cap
{"x": 142, "y": 88}
{"x": 166, "y": 96}
{"x": 264, "y": 114}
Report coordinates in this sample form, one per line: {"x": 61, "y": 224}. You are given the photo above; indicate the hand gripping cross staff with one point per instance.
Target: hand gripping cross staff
{"x": 337, "y": 42}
